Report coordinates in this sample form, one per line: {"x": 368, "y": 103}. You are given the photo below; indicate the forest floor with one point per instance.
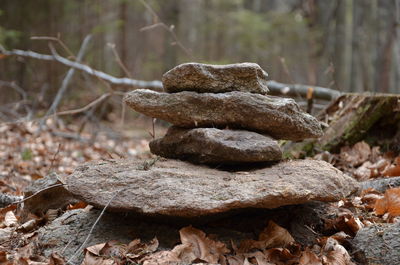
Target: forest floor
{"x": 27, "y": 155}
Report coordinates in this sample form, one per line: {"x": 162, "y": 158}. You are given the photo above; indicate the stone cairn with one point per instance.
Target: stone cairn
{"x": 222, "y": 115}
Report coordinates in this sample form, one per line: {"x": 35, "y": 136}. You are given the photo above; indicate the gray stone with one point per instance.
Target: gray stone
{"x": 211, "y": 145}
{"x": 178, "y": 188}
{"x": 66, "y": 234}
{"x": 45, "y": 197}
{"x": 281, "y": 118}
{"x": 206, "y": 78}
{"x": 379, "y": 243}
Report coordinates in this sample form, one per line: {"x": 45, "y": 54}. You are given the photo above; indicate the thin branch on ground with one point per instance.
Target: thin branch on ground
{"x": 70, "y": 260}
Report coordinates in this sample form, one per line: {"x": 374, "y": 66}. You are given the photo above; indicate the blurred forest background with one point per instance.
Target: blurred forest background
{"x": 348, "y": 45}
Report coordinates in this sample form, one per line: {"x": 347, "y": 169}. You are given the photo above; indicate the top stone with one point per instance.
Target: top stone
{"x": 207, "y": 78}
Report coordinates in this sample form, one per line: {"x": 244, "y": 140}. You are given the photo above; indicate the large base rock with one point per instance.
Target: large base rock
{"x": 177, "y": 188}
{"x": 246, "y": 77}
{"x": 281, "y": 118}
{"x": 214, "y": 146}
{"x": 379, "y": 244}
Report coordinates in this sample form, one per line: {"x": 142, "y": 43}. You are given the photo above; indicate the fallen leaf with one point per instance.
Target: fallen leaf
{"x": 390, "y": 203}
{"x": 355, "y": 155}
{"x": 203, "y": 248}
{"x": 10, "y": 219}
{"x": 161, "y": 258}
{"x": 28, "y": 225}
{"x": 309, "y": 258}
{"x": 392, "y": 171}
{"x": 280, "y": 256}
{"x": 275, "y": 236}
{"x": 56, "y": 259}
{"x": 364, "y": 171}
{"x": 335, "y": 254}
{"x": 78, "y": 205}
{"x": 3, "y": 256}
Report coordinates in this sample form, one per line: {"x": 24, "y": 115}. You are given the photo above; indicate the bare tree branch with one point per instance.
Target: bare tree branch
{"x": 68, "y": 78}
{"x": 155, "y": 85}
{"x": 276, "y": 88}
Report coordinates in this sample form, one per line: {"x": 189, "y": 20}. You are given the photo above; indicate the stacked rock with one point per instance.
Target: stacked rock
{"x": 221, "y": 114}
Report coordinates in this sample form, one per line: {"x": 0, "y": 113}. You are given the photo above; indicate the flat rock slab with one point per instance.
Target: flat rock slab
{"x": 207, "y": 78}
{"x": 281, "y": 118}
{"x": 178, "y": 188}
{"x": 215, "y": 146}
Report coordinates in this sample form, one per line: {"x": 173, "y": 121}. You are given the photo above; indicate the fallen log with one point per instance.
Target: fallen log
{"x": 374, "y": 118}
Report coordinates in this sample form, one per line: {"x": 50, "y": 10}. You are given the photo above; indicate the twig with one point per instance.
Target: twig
{"x": 92, "y": 228}
{"x": 58, "y": 40}
{"x": 153, "y": 132}
{"x": 286, "y": 70}
{"x": 85, "y": 108}
{"x": 158, "y": 23}
{"x": 68, "y": 77}
{"x": 54, "y": 157}
{"x": 118, "y": 59}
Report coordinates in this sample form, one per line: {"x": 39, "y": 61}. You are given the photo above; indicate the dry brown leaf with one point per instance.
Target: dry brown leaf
{"x": 235, "y": 260}
{"x": 10, "y": 219}
{"x": 95, "y": 249}
{"x": 390, "y": 203}
{"x": 91, "y": 259}
{"x": 335, "y": 254}
{"x": 78, "y": 205}
{"x": 272, "y": 236}
{"x": 3, "y": 256}
{"x": 28, "y": 225}
{"x": 355, "y": 155}
{"x": 56, "y": 259}
{"x": 309, "y": 258}
{"x": 364, "y": 171}
{"x": 94, "y": 255}
{"x": 161, "y": 258}
{"x": 203, "y": 247}
{"x": 275, "y": 236}
{"x": 392, "y": 171}
{"x": 369, "y": 198}
{"x": 137, "y": 248}
{"x": 113, "y": 249}
{"x": 261, "y": 258}
{"x": 280, "y": 256}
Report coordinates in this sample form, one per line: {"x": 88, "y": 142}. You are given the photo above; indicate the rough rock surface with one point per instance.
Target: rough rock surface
{"x": 177, "y": 188}
{"x": 280, "y": 118}
{"x": 379, "y": 243}
{"x": 207, "y": 78}
{"x": 211, "y": 145}
{"x": 66, "y": 234}
{"x": 45, "y": 198}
